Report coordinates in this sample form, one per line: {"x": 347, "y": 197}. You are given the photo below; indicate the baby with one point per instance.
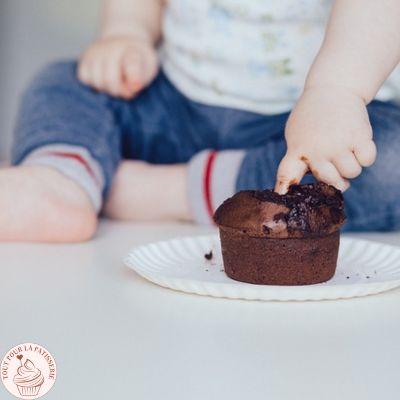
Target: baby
{"x": 180, "y": 104}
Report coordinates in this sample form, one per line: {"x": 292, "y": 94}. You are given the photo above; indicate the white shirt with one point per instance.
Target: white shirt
{"x": 248, "y": 54}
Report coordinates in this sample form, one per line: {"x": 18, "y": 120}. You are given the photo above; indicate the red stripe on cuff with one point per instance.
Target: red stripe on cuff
{"x": 77, "y": 158}
{"x": 207, "y": 183}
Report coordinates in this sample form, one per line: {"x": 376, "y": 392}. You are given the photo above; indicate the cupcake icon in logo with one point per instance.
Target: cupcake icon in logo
{"x": 28, "y": 379}
{"x": 28, "y": 371}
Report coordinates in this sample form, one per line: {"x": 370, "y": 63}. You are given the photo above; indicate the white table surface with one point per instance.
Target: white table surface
{"x": 116, "y": 336}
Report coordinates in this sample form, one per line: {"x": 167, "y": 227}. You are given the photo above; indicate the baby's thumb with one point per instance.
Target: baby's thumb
{"x": 290, "y": 171}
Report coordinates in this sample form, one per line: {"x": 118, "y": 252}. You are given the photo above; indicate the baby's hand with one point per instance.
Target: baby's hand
{"x": 328, "y": 133}
{"x": 120, "y": 66}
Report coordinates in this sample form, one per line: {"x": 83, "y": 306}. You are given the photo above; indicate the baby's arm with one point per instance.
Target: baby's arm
{"x": 328, "y": 131}
{"x": 124, "y": 60}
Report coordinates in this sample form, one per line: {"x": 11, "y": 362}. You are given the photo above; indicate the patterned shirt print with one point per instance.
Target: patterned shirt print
{"x": 247, "y": 54}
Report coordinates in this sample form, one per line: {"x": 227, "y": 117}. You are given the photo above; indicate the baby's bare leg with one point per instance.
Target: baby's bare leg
{"x": 148, "y": 192}
{"x": 39, "y": 204}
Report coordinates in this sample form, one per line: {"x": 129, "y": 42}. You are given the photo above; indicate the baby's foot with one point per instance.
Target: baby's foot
{"x": 42, "y": 205}
{"x": 148, "y": 192}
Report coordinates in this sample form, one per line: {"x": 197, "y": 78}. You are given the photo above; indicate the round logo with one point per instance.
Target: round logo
{"x": 28, "y": 371}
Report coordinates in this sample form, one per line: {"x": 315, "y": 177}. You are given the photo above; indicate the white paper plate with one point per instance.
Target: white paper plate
{"x": 364, "y": 268}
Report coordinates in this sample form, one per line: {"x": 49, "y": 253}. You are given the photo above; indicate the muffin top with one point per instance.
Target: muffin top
{"x": 306, "y": 210}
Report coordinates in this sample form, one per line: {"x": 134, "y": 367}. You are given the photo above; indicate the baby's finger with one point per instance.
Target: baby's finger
{"x": 326, "y": 172}
{"x": 83, "y": 72}
{"x": 150, "y": 69}
{"x": 290, "y": 171}
{"x": 347, "y": 165}
{"x": 133, "y": 73}
{"x": 113, "y": 76}
{"x": 366, "y": 153}
{"x": 97, "y": 74}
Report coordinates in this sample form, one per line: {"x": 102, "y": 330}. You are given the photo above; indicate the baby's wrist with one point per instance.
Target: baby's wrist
{"x": 134, "y": 34}
{"x": 335, "y": 91}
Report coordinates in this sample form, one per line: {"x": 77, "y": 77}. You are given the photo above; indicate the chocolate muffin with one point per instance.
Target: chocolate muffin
{"x": 273, "y": 239}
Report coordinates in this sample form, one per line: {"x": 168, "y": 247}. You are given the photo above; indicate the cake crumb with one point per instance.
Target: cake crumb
{"x": 209, "y": 256}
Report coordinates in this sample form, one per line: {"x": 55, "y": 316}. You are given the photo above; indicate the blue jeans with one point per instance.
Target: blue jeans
{"x": 162, "y": 126}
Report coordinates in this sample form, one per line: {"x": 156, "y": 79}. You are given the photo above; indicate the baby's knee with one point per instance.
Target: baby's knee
{"x": 55, "y": 76}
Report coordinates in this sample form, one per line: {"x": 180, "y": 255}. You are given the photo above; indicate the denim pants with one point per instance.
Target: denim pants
{"x": 163, "y": 126}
